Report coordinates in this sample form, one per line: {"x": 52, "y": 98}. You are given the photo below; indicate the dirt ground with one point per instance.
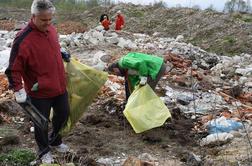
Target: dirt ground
{"x": 100, "y": 133}
{"x": 104, "y": 132}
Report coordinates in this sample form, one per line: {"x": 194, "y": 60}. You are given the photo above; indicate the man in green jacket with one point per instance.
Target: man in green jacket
{"x": 138, "y": 68}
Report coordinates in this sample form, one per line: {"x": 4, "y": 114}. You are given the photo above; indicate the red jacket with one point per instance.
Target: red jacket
{"x": 35, "y": 57}
{"x": 119, "y": 22}
{"x": 105, "y": 24}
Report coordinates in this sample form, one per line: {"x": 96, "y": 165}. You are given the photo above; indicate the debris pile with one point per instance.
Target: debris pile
{"x": 215, "y": 91}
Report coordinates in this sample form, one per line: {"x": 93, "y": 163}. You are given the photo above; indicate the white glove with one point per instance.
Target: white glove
{"x": 20, "y": 96}
{"x": 143, "y": 80}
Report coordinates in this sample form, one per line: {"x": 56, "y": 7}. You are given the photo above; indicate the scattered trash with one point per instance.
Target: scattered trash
{"x": 223, "y": 125}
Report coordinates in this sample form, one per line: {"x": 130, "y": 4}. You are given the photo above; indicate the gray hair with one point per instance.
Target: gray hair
{"x": 42, "y": 5}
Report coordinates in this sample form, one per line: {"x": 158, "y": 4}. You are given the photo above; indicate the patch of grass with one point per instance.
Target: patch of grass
{"x": 136, "y": 13}
{"x": 63, "y": 5}
{"x": 70, "y": 6}
{"x": 247, "y": 18}
{"x": 17, "y": 157}
{"x": 237, "y": 15}
{"x": 229, "y": 40}
{"x": 16, "y": 3}
{"x": 243, "y": 17}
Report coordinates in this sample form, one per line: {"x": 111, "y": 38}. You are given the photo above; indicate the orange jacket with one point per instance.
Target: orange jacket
{"x": 105, "y": 24}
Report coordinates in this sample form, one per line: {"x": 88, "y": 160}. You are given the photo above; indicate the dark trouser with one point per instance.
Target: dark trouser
{"x": 61, "y": 109}
{"x": 152, "y": 82}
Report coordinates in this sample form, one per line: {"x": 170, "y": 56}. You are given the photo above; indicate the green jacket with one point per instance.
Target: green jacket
{"x": 146, "y": 65}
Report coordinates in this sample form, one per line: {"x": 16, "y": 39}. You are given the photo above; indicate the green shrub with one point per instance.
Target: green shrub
{"x": 247, "y": 18}
{"x": 136, "y": 13}
{"x": 16, "y": 3}
{"x": 17, "y": 157}
{"x": 229, "y": 39}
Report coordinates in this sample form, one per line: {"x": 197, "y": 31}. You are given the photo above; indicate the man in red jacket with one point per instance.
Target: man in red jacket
{"x": 119, "y": 23}
{"x": 36, "y": 61}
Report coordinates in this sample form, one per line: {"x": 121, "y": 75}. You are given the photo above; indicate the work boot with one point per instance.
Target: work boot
{"x": 47, "y": 158}
{"x": 62, "y": 148}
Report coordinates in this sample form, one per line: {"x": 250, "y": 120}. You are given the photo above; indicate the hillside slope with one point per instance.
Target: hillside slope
{"x": 213, "y": 31}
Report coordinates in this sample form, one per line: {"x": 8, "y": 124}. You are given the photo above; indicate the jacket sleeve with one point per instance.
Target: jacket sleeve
{"x": 122, "y": 19}
{"x": 16, "y": 67}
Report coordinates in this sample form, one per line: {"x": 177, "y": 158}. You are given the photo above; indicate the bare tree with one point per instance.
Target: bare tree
{"x": 248, "y": 7}
{"x": 210, "y": 8}
{"x": 178, "y": 5}
{"x": 159, "y": 3}
{"x": 197, "y": 7}
{"x": 236, "y": 6}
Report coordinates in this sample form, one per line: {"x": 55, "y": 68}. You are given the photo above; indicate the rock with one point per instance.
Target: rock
{"x": 10, "y": 106}
{"x": 69, "y": 164}
{"x": 131, "y": 45}
{"x": 248, "y": 84}
{"x": 93, "y": 40}
{"x": 4, "y": 59}
{"x": 109, "y": 161}
{"x": 190, "y": 158}
{"x": 98, "y": 36}
{"x": 184, "y": 99}
{"x": 122, "y": 43}
{"x": 244, "y": 72}
{"x": 243, "y": 80}
{"x": 112, "y": 40}
{"x": 49, "y": 165}
{"x": 156, "y": 34}
{"x": 236, "y": 134}
{"x": 133, "y": 161}
{"x": 20, "y": 25}
{"x": 216, "y": 139}
{"x": 8, "y": 136}
{"x": 235, "y": 91}
{"x": 99, "y": 28}
{"x": 180, "y": 38}
{"x": 105, "y": 58}
{"x": 147, "y": 157}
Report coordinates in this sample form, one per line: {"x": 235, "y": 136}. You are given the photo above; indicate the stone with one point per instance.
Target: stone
{"x": 122, "y": 43}
{"x": 184, "y": 100}
{"x": 133, "y": 161}
{"x": 244, "y": 72}
{"x": 93, "y": 40}
{"x": 180, "y": 38}
{"x": 10, "y": 106}
{"x": 4, "y": 59}
{"x": 112, "y": 40}
{"x": 216, "y": 139}
{"x": 8, "y": 136}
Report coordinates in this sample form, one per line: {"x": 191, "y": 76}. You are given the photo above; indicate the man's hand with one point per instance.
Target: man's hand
{"x": 143, "y": 80}
{"x": 35, "y": 87}
{"x": 65, "y": 55}
{"x": 20, "y": 96}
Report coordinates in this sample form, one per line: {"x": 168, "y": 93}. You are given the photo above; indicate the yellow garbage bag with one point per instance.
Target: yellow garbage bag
{"x": 145, "y": 110}
{"x": 83, "y": 83}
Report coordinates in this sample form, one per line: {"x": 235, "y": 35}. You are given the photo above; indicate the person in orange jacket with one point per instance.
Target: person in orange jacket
{"x": 119, "y": 23}
{"x": 106, "y": 23}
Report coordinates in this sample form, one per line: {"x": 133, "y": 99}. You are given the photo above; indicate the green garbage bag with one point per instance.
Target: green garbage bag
{"x": 145, "y": 110}
{"x": 83, "y": 83}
